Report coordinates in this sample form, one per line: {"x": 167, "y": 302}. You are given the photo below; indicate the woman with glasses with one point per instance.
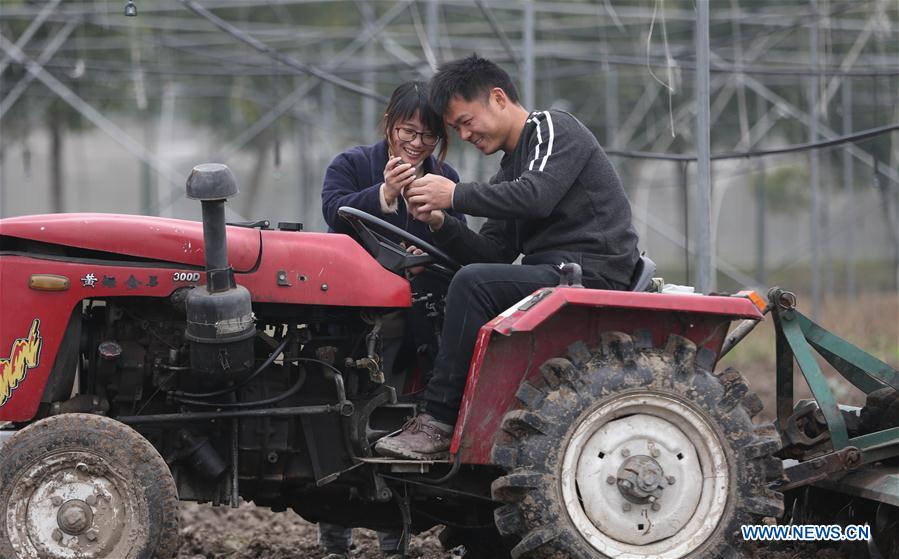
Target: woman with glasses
{"x": 373, "y": 179}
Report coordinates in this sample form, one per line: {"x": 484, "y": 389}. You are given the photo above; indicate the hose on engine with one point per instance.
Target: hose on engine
{"x": 301, "y": 380}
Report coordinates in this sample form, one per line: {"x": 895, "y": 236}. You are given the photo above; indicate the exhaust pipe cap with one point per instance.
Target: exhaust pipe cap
{"x": 211, "y": 181}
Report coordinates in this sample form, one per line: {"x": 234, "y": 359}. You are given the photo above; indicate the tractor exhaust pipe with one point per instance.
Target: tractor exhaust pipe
{"x": 212, "y": 184}
{"x": 220, "y": 324}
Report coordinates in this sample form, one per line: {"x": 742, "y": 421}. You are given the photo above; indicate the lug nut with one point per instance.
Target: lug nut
{"x": 656, "y": 506}
{"x": 81, "y": 467}
{"x": 655, "y": 453}
{"x": 625, "y": 452}
{"x": 652, "y": 499}
{"x": 57, "y": 534}
{"x": 610, "y": 480}
{"x": 91, "y": 534}
{"x": 91, "y": 500}
{"x": 671, "y": 480}
{"x": 626, "y": 507}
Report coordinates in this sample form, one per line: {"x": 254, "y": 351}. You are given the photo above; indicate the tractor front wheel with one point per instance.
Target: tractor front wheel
{"x": 634, "y": 452}
{"x": 86, "y": 486}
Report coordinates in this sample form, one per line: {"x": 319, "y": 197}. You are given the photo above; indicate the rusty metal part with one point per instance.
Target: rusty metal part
{"x": 640, "y": 478}
{"x": 806, "y": 416}
{"x": 817, "y": 469}
{"x": 370, "y": 364}
{"x": 740, "y": 332}
{"x": 782, "y": 298}
{"x": 75, "y": 516}
{"x": 81, "y": 403}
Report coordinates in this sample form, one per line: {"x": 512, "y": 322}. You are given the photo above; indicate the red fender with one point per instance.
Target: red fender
{"x": 511, "y": 347}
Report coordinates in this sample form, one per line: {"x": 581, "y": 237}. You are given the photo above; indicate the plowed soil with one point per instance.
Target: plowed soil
{"x": 251, "y": 532}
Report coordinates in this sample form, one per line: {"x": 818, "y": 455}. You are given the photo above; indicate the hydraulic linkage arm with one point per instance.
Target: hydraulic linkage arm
{"x": 796, "y": 336}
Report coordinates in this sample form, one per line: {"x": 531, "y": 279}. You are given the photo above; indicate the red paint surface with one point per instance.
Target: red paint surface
{"x": 511, "y": 349}
{"x": 320, "y": 269}
{"x": 157, "y": 238}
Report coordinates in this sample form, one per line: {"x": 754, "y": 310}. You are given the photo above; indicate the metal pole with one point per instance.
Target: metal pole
{"x": 368, "y": 79}
{"x": 432, "y": 13}
{"x": 813, "y": 164}
{"x": 165, "y": 137}
{"x": 704, "y": 268}
{"x": 761, "y": 188}
{"x": 326, "y": 96}
{"x": 684, "y": 175}
{"x": 849, "y": 183}
{"x": 528, "y": 62}
{"x": 611, "y": 105}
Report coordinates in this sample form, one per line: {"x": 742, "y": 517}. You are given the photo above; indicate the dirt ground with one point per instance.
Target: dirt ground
{"x": 255, "y": 533}
{"x": 251, "y": 532}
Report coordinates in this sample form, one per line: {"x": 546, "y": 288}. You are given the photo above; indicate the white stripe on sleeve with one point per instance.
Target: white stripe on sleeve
{"x": 539, "y": 141}
{"x": 549, "y": 147}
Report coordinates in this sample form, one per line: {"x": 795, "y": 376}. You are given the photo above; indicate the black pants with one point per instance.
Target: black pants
{"x": 477, "y": 293}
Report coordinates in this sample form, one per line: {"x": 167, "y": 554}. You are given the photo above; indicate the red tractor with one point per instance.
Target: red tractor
{"x": 149, "y": 360}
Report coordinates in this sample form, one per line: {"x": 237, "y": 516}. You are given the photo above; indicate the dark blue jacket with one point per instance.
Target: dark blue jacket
{"x": 354, "y": 179}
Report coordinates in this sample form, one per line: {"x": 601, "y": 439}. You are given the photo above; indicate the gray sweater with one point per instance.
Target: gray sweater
{"x": 556, "y": 199}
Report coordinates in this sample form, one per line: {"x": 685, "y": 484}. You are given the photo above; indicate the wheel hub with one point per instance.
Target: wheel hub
{"x": 639, "y": 478}
{"x": 74, "y": 517}
{"x": 648, "y": 477}
{"x": 72, "y": 504}
{"x": 637, "y": 451}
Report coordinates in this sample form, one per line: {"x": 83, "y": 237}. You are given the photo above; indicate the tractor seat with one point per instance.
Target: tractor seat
{"x": 642, "y": 276}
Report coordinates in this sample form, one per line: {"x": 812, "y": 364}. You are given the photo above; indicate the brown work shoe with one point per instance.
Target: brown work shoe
{"x": 422, "y": 438}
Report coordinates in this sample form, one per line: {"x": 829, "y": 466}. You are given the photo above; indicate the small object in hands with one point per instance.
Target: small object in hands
{"x": 130, "y": 9}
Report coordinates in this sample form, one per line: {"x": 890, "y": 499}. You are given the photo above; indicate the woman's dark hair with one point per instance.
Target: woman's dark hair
{"x": 469, "y": 78}
{"x": 407, "y": 100}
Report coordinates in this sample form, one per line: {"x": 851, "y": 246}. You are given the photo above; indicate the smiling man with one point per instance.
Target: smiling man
{"x": 555, "y": 199}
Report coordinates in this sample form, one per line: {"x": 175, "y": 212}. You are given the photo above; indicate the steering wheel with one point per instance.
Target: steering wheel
{"x": 378, "y": 236}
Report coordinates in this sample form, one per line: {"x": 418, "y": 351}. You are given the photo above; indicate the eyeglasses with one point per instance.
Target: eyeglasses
{"x": 409, "y": 135}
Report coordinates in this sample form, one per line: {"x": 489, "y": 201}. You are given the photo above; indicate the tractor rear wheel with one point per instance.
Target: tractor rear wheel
{"x": 635, "y": 452}
{"x": 86, "y": 486}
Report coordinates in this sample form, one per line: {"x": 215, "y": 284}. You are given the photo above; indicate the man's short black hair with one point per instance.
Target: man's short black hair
{"x": 469, "y": 78}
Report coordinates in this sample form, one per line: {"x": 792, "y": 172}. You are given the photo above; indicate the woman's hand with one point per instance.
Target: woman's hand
{"x": 397, "y": 176}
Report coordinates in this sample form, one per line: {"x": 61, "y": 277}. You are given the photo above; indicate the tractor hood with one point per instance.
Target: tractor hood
{"x": 155, "y": 238}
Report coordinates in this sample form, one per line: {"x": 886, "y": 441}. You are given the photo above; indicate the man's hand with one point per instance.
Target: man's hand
{"x": 414, "y": 270}
{"x": 433, "y": 218}
{"x": 397, "y": 176}
{"x": 430, "y": 192}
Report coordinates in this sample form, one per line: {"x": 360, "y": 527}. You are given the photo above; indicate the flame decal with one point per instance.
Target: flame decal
{"x": 25, "y": 354}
